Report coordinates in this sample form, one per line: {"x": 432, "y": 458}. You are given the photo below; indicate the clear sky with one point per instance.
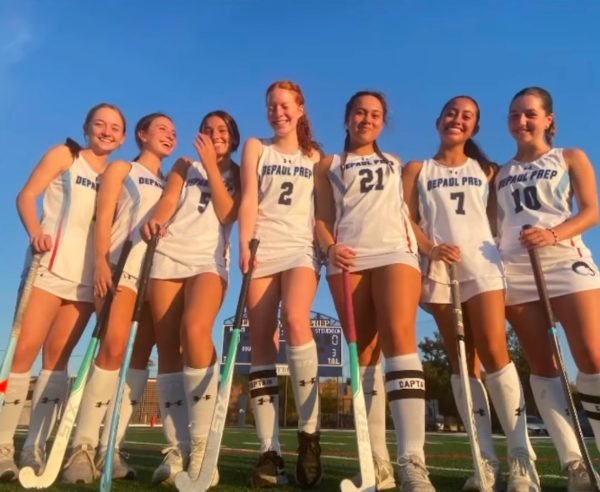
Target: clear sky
{"x": 59, "y": 58}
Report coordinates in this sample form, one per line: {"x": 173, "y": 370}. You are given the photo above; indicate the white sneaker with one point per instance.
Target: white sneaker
{"x": 172, "y": 464}
{"x": 121, "y": 470}
{"x": 522, "y": 476}
{"x": 8, "y": 468}
{"x": 196, "y": 458}
{"x": 80, "y": 467}
{"x": 413, "y": 475}
{"x": 33, "y": 457}
{"x": 492, "y": 475}
{"x": 579, "y": 478}
{"x": 384, "y": 474}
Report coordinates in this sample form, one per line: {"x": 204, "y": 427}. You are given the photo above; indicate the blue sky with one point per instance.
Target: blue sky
{"x": 186, "y": 58}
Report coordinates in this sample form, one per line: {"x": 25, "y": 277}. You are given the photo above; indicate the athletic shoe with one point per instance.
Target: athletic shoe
{"x": 522, "y": 476}
{"x": 384, "y": 475}
{"x": 8, "y": 468}
{"x": 492, "y": 475}
{"x": 172, "y": 464}
{"x": 413, "y": 475}
{"x": 269, "y": 472}
{"x": 579, "y": 478}
{"x": 33, "y": 457}
{"x": 308, "y": 466}
{"x": 196, "y": 458}
{"x": 80, "y": 467}
{"x": 121, "y": 470}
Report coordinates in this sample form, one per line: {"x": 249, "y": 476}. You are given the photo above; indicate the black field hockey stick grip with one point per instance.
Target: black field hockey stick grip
{"x": 239, "y": 312}
{"x": 542, "y": 289}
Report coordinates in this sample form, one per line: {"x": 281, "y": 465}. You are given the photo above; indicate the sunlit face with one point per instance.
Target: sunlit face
{"x": 527, "y": 119}
{"x": 105, "y": 132}
{"x": 160, "y": 138}
{"x": 283, "y": 111}
{"x": 458, "y": 122}
{"x": 366, "y": 120}
{"x": 218, "y": 132}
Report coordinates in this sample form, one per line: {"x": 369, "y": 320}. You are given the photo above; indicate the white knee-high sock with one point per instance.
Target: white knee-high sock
{"x": 508, "y": 399}
{"x": 552, "y": 405}
{"x": 98, "y": 393}
{"x": 201, "y": 386}
{"x": 49, "y": 394}
{"x": 374, "y": 391}
{"x": 264, "y": 397}
{"x": 303, "y": 364}
{"x": 173, "y": 409}
{"x": 589, "y": 393}
{"x": 14, "y": 400}
{"x": 135, "y": 383}
{"x": 405, "y": 387}
{"x": 481, "y": 411}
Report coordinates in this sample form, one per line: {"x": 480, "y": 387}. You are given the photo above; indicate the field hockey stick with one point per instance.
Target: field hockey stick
{"x": 459, "y": 329}
{"x": 27, "y": 475}
{"x": 540, "y": 283}
{"x": 213, "y": 444}
{"x": 359, "y": 409}
{"x": 22, "y": 302}
{"x": 106, "y": 479}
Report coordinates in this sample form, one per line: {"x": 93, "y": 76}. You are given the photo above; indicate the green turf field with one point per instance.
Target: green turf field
{"x": 448, "y": 459}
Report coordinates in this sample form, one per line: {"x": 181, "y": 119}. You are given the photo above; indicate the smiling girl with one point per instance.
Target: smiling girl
{"x": 448, "y": 199}
{"x": 364, "y": 227}
{"x": 277, "y": 208}
{"x": 128, "y": 193}
{"x": 537, "y": 188}
{"x": 189, "y": 278}
{"x": 62, "y": 298}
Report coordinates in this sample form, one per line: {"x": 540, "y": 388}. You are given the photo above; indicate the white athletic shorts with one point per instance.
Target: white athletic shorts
{"x": 264, "y": 268}
{"x": 166, "y": 268}
{"x": 562, "y": 278}
{"x": 62, "y": 287}
{"x": 433, "y": 292}
{"x": 375, "y": 261}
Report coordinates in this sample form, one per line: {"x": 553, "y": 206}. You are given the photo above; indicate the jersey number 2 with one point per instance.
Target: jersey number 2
{"x": 287, "y": 188}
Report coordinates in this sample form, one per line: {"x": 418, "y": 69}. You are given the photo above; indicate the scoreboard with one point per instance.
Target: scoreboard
{"x": 327, "y": 333}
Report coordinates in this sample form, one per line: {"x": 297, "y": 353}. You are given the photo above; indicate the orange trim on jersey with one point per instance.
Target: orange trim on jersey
{"x": 55, "y": 248}
{"x": 576, "y": 247}
{"x": 407, "y": 236}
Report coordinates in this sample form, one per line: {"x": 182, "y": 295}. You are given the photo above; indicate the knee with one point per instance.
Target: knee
{"x": 588, "y": 360}
{"x": 111, "y": 355}
{"x": 294, "y": 320}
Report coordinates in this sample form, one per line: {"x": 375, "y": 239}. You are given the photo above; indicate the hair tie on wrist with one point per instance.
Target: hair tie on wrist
{"x": 553, "y": 232}
{"x": 329, "y": 249}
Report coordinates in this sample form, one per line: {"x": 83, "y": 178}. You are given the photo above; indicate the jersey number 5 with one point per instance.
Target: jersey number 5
{"x": 204, "y": 200}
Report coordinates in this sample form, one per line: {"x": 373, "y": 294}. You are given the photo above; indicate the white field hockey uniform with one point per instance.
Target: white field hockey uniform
{"x": 539, "y": 193}
{"x": 285, "y": 220}
{"x": 371, "y": 216}
{"x": 140, "y": 191}
{"x": 67, "y": 270}
{"x": 195, "y": 242}
{"x": 452, "y": 209}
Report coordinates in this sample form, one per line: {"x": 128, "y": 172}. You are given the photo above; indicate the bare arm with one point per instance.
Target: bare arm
{"x": 249, "y": 201}
{"x": 106, "y": 205}
{"x": 225, "y": 205}
{"x": 167, "y": 205}
{"x": 492, "y": 205}
{"x": 53, "y": 163}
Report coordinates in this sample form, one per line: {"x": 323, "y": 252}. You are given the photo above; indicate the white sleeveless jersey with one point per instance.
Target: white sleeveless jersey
{"x": 140, "y": 191}
{"x": 537, "y": 193}
{"x": 285, "y": 220}
{"x": 452, "y": 209}
{"x": 68, "y": 215}
{"x": 371, "y": 215}
{"x": 195, "y": 237}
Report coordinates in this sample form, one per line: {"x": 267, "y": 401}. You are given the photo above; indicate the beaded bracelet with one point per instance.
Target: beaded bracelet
{"x": 553, "y": 232}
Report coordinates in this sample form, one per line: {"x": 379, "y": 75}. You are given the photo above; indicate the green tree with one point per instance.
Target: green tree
{"x": 437, "y": 369}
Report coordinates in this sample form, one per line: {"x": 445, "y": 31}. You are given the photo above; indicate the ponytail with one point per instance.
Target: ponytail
{"x": 73, "y": 147}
